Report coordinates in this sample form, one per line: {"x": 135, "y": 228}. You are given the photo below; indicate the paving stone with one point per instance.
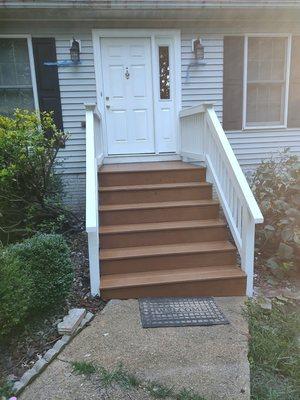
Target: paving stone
{"x": 18, "y": 386}
{"x": 71, "y": 321}
{"x": 40, "y": 365}
{"x": 59, "y": 345}
{"x": 50, "y": 355}
{"x": 66, "y": 338}
{"x": 28, "y": 376}
{"x": 89, "y": 316}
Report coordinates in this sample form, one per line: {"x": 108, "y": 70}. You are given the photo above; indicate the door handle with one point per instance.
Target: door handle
{"x": 108, "y": 106}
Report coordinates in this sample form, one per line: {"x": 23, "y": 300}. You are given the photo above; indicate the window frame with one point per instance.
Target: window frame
{"x": 287, "y": 79}
{"x": 31, "y": 64}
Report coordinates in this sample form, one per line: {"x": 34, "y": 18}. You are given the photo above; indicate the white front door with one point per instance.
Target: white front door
{"x": 128, "y": 95}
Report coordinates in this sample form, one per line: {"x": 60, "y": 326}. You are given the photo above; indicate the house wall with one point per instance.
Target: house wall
{"x": 205, "y": 83}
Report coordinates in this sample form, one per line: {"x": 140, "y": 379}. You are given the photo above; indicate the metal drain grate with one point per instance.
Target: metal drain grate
{"x": 180, "y": 311}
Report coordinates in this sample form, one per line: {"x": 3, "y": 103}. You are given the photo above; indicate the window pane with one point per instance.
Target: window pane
{"x": 14, "y": 62}
{"x": 15, "y": 76}
{"x": 15, "y": 98}
{"x": 266, "y": 81}
{"x": 164, "y": 72}
{"x": 266, "y": 59}
{"x": 264, "y": 104}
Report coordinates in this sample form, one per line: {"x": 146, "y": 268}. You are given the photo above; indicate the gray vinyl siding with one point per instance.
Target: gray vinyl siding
{"x": 77, "y": 86}
{"x": 252, "y": 147}
{"x": 205, "y": 82}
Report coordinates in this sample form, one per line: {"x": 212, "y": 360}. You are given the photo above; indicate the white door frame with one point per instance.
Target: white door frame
{"x": 153, "y": 34}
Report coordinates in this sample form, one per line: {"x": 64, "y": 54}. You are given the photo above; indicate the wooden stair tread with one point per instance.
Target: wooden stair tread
{"x": 161, "y": 233}
{"x": 165, "y": 204}
{"x": 164, "y": 277}
{"x": 155, "y": 186}
{"x": 165, "y": 249}
{"x": 158, "y": 226}
{"x": 147, "y": 166}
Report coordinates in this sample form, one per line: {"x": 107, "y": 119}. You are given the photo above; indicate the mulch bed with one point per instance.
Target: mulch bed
{"x": 273, "y": 283}
{"x": 25, "y": 347}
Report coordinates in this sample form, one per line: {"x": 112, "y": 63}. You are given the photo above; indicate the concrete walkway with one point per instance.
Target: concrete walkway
{"x": 210, "y": 360}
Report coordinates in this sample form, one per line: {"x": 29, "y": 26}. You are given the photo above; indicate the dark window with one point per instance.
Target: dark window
{"x": 164, "y": 72}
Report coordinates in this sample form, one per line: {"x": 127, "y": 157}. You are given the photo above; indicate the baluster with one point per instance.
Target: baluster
{"x": 239, "y": 217}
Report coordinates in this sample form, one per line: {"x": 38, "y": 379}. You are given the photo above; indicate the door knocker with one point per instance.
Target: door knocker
{"x": 127, "y": 74}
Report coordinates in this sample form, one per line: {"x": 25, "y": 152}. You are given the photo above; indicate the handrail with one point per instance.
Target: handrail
{"x": 203, "y": 139}
{"x": 249, "y": 198}
{"x": 200, "y": 108}
{"x": 94, "y": 158}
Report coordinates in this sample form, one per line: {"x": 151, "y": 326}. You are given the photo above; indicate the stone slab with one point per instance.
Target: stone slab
{"x": 71, "y": 321}
{"x": 210, "y": 360}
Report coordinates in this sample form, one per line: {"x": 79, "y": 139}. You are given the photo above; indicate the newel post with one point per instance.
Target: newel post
{"x": 92, "y": 223}
{"x": 248, "y": 245}
{"x": 94, "y": 265}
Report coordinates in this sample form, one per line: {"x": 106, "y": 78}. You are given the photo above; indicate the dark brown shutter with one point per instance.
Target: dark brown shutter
{"x": 44, "y": 50}
{"x": 233, "y": 82}
{"x": 294, "y": 89}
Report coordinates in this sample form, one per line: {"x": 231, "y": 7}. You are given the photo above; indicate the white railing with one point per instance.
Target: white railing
{"x": 94, "y": 159}
{"x": 203, "y": 139}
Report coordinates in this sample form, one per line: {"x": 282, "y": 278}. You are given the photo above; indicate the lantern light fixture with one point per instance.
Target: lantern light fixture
{"x": 198, "y": 49}
{"x": 75, "y": 51}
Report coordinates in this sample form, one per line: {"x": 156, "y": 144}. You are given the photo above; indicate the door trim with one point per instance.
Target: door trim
{"x": 153, "y": 34}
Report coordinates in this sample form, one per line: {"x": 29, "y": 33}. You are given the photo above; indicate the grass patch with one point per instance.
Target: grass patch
{"x": 158, "y": 391}
{"x": 274, "y": 354}
{"x": 187, "y": 394}
{"x": 119, "y": 376}
{"x": 83, "y": 368}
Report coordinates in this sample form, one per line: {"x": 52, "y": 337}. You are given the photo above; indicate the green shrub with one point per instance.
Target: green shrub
{"x": 36, "y": 274}
{"x": 276, "y": 185}
{"x": 16, "y": 287}
{"x": 30, "y": 192}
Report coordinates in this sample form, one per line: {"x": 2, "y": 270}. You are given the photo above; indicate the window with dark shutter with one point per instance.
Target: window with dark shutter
{"x": 266, "y": 81}
{"x": 44, "y": 50}
{"x": 233, "y": 82}
{"x": 294, "y": 85}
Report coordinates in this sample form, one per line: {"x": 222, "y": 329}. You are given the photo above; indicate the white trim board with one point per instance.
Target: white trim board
{"x": 141, "y": 158}
{"x": 173, "y": 35}
{"x": 31, "y": 63}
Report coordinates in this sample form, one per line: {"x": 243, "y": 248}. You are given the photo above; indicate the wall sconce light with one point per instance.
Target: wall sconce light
{"x": 74, "y": 60}
{"x": 75, "y": 51}
{"x": 198, "y": 49}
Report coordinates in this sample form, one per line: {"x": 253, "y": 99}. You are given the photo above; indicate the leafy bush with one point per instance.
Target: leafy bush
{"x": 30, "y": 192}
{"x": 36, "y": 274}
{"x": 276, "y": 185}
{"x": 16, "y": 288}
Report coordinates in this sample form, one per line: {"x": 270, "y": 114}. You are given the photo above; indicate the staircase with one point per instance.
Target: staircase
{"x": 161, "y": 234}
